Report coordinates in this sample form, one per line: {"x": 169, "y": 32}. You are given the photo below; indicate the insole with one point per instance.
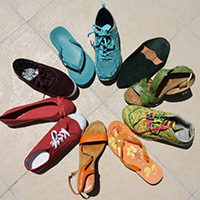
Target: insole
{"x": 151, "y": 55}
{"x": 37, "y": 159}
{"x": 171, "y": 83}
{"x": 94, "y": 150}
{"x": 70, "y": 52}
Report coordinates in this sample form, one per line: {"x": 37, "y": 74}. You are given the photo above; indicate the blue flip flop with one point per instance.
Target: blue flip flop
{"x": 78, "y": 63}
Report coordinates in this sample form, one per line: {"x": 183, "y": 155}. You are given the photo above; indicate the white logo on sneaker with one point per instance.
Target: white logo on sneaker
{"x": 30, "y": 73}
{"x": 58, "y": 138}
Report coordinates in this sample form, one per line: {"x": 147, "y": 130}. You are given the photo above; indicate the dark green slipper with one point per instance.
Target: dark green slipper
{"x": 144, "y": 62}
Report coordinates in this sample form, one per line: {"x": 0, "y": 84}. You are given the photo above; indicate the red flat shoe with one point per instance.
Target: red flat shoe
{"x": 60, "y": 138}
{"x": 51, "y": 109}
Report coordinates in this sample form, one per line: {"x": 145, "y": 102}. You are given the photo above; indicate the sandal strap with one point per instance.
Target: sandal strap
{"x": 149, "y": 96}
{"x": 145, "y": 95}
{"x": 84, "y": 172}
{"x": 164, "y": 72}
{"x": 93, "y": 138}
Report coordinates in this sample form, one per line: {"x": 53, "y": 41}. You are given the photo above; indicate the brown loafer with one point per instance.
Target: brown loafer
{"x": 45, "y": 79}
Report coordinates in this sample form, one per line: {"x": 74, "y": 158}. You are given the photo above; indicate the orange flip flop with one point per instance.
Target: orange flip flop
{"x": 91, "y": 145}
{"x": 132, "y": 152}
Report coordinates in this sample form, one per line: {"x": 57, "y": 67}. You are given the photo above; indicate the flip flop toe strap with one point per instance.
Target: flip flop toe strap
{"x": 120, "y": 144}
{"x": 69, "y": 64}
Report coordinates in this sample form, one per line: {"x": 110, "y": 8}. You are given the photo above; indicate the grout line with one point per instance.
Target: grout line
{"x": 193, "y": 19}
{"x": 25, "y": 22}
{"x": 18, "y": 180}
{"x": 198, "y": 189}
{"x": 102, "y": 103}
{"x": 198, "y": 37}
{"x": 173, "y": 38}
{"x": 7, "y": 188}
{"x": 169, "y": 11}
{"x": 12, "y": 32}
{"x": 181, "y": 184}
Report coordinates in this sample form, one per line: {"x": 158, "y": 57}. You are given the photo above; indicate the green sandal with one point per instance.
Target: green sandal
{"x": 166, "y": 82}
{"x": 158, "y": 125}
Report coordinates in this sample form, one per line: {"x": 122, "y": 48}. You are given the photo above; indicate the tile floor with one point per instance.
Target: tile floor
{"x": 24, "y": 32}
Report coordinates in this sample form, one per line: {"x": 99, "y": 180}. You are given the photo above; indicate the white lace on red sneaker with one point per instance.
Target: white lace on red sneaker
{"x": 58, "y": 138}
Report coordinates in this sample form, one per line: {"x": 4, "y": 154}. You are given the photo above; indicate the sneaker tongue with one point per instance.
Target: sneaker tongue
{"x": 106, "y": 28}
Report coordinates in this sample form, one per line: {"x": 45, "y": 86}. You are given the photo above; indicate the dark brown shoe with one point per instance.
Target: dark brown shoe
{"x": 45, "y": 79}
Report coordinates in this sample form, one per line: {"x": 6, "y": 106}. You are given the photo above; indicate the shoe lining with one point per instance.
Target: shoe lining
{"x": 104, "y": 17}
{"x": 37, "y": 159}
{"x": 184, "y": 132}
{"x": 30, "y": 111}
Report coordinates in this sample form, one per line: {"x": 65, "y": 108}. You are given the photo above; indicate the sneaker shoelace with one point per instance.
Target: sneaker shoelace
{"x": 58, "y": 138}
{"x": 156, "y": 123}
{"x": 43, "y": 79}
{"x": 104, "y": 42}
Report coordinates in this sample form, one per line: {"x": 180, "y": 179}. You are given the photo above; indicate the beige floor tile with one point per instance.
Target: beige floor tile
{"x": 87, "y": 102}
{"x": 191, "y": 198}
{"x": 103, "y": 114}
{"x": 197, "y": 194}
{"x": 184, "y": 48}
{"x": 3, "y": 188}
{"x": 184, "y": 10}
{"x": 28, "y": 8}
{"x": 116, "y": 102}
{"x": 136, "y": 23}
{"x": 183, "y": 164}
{"x": 8, "y": 195}
{"x": 9, "y": 20}
{"x": 194, "y": 26}
{"x": 101, "y": 90}
{"x": 71, "y": 16}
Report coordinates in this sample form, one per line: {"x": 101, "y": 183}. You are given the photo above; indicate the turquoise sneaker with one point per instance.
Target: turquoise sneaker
{"x": 106, "y": 45}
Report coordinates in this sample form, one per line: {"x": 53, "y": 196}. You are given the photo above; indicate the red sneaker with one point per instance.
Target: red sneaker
{"x": 60, "y": 138}
{"x": 51, "y": 109}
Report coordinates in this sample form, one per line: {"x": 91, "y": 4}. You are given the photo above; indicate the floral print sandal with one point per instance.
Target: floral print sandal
{"x": 132, "y": 153}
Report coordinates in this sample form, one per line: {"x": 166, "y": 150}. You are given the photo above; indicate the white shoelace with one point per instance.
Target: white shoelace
{"x": 58, "y": 138}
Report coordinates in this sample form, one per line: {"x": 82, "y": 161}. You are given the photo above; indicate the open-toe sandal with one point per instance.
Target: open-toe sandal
{"x": 91, "y": 146}
{"x": 166, "y": 82}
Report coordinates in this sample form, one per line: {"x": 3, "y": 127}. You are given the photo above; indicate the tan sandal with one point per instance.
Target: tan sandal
{"x": 91, "y": 146}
